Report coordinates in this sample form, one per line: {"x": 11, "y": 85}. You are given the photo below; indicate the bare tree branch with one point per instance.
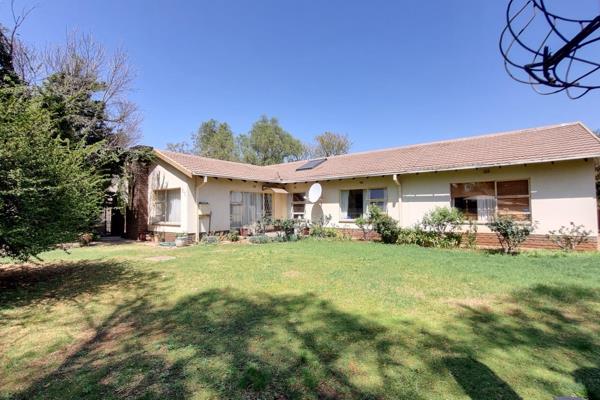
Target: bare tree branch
{"x": 86, "y": 60}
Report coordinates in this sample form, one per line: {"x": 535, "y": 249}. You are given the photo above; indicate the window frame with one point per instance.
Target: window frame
{"x": 365, "y": 203}
{"x": 496, "y": 181}
{"x": 298, "y": 202}
{"x": 264, "y": 212}
{"x": 162, "y": 219}
{"x": 371, "y": 200}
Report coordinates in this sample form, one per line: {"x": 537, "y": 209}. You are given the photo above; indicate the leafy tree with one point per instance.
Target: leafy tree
{"x": 331, "y": 144}
{"x": 48, "y": 192}
{"x": 8, "y": 76}
{"x": 268, "y": 143}
{"x": 215, "y": 139}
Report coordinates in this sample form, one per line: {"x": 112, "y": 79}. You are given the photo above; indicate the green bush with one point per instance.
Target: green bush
{"x": 408, "y": 236}
{"x": 438, "y": 228}
{"x": 288, "y": 226}
{"x": 259, "y": 239}
{"x": 511, "y": 234}
{"x": 568, "y": 238}
{"x": 319, "y": 231}
{"x": 386, "y": 226}
{"x": 364, "y": 225}
{"x": 471, "y": 235}
{"x": 233, "y": 236}
{"x": 442, "y": 220}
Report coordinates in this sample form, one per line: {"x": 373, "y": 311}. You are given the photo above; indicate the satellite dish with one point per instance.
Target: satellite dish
{"x": 314, "y": 193}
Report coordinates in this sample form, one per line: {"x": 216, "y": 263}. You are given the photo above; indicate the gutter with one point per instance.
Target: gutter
{"x": 399, "y": 187}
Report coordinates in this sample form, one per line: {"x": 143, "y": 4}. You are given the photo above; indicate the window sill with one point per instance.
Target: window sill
{"x": 166, "y": 223}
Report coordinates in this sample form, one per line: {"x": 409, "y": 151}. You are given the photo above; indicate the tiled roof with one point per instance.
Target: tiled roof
{"x": 527, "y": 146}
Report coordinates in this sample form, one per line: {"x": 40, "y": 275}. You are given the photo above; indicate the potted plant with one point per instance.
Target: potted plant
{"x": 181, "y": 240}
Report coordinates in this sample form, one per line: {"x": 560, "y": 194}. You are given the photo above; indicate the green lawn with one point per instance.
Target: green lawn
{"x": 314, "y": 320}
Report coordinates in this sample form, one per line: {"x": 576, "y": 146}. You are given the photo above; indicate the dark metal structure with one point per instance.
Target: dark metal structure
{"x": 552, "y": 53}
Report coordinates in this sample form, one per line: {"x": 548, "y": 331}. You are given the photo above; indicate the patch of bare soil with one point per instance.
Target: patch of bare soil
{"x": 160, "y": 258}
{"x": 291, "y": 274}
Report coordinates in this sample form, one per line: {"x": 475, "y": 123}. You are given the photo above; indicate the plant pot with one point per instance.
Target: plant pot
{"x": 180, "y": 242}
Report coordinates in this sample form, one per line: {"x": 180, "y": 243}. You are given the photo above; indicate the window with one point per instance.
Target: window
{"x": 354, "y": 203}
{"x": 247, "y": 208}
{"x": 377, "y": 197}
{"x": 167, "y": 206}
{"x": 481, "y": 201}
{"x": 298, "y": 205}
{"x": 477, "y": 200}
{"x": 513, "y": 199}
{"x": 351, "y": 203}
{"x": 267, "y": 205}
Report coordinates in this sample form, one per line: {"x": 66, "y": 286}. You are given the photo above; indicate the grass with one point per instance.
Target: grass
{"x": 314, "y": 320}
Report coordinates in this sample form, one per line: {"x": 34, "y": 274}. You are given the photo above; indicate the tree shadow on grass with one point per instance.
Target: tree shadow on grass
{"x": 590, "y": 379}
{"x": 230, "y": 345}
{"x": 26, "y": 284}
{"x": 544, "y": 322}
{"x": 478, "y": 381}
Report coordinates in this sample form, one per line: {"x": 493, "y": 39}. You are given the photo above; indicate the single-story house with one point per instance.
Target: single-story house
{"x": 544, "y": 175}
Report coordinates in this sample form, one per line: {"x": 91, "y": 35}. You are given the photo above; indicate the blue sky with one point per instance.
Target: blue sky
{"x": 385, "y": 73}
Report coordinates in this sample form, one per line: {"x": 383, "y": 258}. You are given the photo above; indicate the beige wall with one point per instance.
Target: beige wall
{"x": 329, "y": 205}
{"x": 560, "y": 193}
{"x": 164, "y": 176}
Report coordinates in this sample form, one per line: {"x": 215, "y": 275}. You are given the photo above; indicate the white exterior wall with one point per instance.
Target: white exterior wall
{"x": 164, "y": 176}
{"x": 216, "y": 193}
{"x": 329, "y": 205}
{"x": 560, "y": 193}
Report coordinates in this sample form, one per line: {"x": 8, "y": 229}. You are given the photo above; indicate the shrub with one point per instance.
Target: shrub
{"x": 568, "y": 238}
{"x": 319, "y": 231}
{"x": 288, "y": 226}
{"x": 511, "y": 234}
{"x": 408, "y": 236}
{"x": 85, "y": 239}
{"x": 438, "y": 228}
{"x": 386, "y": 226}
{"x": 259, "y": 239}
{"x": 443, "y": 220}
{"x": 424, "y": 238}
{"x": 210, "y": 239}
{"x": 471, "y": 235}
{"x": 233, "y": 236}
{"x": 364, "y": 225}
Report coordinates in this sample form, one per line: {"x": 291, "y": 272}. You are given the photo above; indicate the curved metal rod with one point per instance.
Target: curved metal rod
{"x": 543, "y": 70}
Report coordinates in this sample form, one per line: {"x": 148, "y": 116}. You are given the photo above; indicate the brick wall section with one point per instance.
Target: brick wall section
{"x": 534, "y": 242}
{"x": 357, "y": 234}
{"x": 491, "y": 240}
{"x": 171, "y": 236}
{"x": 136, "y": 216}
